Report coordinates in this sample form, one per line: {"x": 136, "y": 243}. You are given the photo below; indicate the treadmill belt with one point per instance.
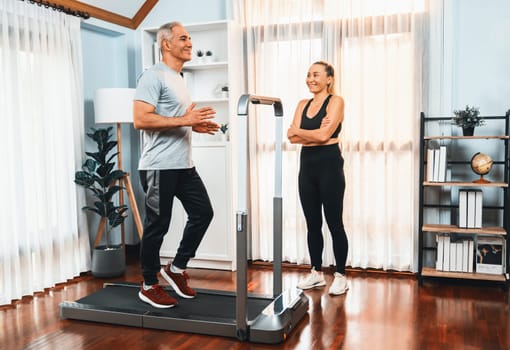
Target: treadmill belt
{"x": 212, "y": 306}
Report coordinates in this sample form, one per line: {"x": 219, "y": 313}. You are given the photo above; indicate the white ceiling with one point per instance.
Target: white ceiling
{"x": 126, "y": 8}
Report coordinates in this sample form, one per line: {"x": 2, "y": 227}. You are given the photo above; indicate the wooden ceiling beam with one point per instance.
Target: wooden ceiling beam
{"x": 108, "y": 16}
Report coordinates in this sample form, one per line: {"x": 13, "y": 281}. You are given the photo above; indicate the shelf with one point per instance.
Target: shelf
{"x": 210, "y": 100}
{"x": 502, "y": 137}
{"x": 205, "y": 65}
{"x": 431, "y": 272}
{"x": 209, "y": 144}
{"x": 455, "y": 229}
{"x": 465, "y": 184}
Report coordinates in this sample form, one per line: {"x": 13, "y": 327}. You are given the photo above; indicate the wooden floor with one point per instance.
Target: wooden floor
{"x": 380, "y": 311}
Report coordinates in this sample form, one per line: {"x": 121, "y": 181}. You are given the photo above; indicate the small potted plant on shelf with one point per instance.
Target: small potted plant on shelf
{"x": 99, "y": 176}
{"x": 209, "y": 56}
{"x": 468, "y": 119}
{"x": 224, "y": 91}
{"x": 200, "y": 55}
{"x": 224, "y": 129}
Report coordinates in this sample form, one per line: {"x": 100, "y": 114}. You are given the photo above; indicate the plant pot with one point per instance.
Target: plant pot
{"x": 109, "y": 262}
{"x": 468, "y": 131}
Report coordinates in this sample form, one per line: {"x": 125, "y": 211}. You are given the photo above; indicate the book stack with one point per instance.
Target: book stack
{"x": 470, "y": 208}
{"x": 454, "y": 255}
{"x": 436, "y": 164}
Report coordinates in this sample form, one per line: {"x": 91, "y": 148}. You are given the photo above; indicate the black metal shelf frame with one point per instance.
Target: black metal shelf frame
{"x": 506, "y": 193}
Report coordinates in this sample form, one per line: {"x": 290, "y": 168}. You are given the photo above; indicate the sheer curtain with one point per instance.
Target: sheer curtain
{"x": 43, "y": 232}
{"x": 376, "y": 47}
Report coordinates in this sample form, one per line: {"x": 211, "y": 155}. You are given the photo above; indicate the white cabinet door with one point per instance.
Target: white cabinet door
{"x": 215, "y": 251}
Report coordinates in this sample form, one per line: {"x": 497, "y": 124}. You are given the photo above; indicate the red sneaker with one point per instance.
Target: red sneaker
{"x": 178, "y": 281}
{"x": 157, "y": 297}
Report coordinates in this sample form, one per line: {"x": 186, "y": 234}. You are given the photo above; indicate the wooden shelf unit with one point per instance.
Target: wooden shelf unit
{"x": 428, "y": 230}
{"x": 431, "y": 272}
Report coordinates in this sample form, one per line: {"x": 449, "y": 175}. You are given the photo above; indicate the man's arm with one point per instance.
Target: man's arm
{"x": 146, "y": 118}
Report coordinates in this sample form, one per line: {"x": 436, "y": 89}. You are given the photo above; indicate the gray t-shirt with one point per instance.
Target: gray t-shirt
{"x": 165, "y": 89}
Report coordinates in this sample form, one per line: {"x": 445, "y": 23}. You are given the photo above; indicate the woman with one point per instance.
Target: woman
{"x": 316, "y": 125}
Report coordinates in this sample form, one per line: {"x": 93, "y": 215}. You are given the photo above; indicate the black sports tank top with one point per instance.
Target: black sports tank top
{"x": 315, "y": 122}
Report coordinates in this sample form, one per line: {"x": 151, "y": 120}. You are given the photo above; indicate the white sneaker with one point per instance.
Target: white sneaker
{"x": 313, "y": 280}
{"x": 339, "y": 285}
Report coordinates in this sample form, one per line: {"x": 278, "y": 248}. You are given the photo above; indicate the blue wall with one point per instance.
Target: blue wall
{"x": 481, "y": 70}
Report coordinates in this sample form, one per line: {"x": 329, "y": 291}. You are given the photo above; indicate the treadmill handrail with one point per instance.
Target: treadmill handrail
{"x": 241, "y": 214}
{"x": 244, "y": 101}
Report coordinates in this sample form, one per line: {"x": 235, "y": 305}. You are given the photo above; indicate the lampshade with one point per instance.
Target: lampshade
{"x": 113, "y": 105}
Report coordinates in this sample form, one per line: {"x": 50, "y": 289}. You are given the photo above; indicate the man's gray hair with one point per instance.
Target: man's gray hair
{"x": 165, "y": 32}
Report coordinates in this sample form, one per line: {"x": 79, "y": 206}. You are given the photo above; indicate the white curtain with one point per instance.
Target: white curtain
{"x": 43, "y": 233}
{"x": 376, "y": 47}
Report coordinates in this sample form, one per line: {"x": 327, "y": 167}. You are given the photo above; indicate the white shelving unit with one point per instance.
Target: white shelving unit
{"x": 211, "y": 153}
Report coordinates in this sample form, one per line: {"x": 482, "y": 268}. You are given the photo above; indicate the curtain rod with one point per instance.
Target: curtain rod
{"x": 59, "y": 8}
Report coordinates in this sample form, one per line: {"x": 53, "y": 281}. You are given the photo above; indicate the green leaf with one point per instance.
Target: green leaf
{"x": 90, "y": 165}
{"x": 109, "y": 146}
{"x": 95, "y": 210}
{"x": 105, "y": 169}
{"x": 83, "y": 178}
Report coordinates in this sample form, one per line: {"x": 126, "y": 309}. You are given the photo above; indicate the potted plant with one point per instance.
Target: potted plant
{"x": 208, "y": 56}
{"x": 468, "y": 119}
{"x": 224, "y": 129}
{"x": 100, "y": 178}
{"x": 200, "y": 55}
{"x": 224, "y": 91}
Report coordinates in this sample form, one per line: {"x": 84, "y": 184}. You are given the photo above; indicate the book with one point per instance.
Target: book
{"x": 478, "y": 208}
{"x": 471, "y": 209}
{"x": 430, "y": 165}
{"x": 471, "y": 255}
{"x": 446, "y": 253}
{"x": 459, "y": 257}
{"x": 462, "y": 208}
{"x": 453, "y": 256}
{"x": 490, "y": 254}
{"x": 442, "y": 164}
{"x": 436, "y": 164}
{"x": 465, "y": 255}
{"x": 440, "y": 250}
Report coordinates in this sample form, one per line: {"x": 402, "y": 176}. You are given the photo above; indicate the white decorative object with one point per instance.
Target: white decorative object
{"x": 200, "y": 56}
{"x": 209, "y": 57}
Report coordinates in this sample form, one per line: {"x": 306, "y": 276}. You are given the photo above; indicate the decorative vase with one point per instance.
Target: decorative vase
{"x": 468, "y": 130}
{"x": 109, "y": 262}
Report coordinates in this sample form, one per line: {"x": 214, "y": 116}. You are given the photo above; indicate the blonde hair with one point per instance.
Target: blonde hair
{"x": 165, "y": 32}
{"x": 330, "y": 72}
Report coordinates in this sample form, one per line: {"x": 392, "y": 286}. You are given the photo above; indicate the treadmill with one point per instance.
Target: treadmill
{"x": 247, "y": 317}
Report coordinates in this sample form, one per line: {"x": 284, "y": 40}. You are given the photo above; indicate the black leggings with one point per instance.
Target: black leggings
{"x": 161, "y": 186}
{"x": 322, "y": 185}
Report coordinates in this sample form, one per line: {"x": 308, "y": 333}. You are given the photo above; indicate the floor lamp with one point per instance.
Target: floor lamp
{"x": 115, "y": 106}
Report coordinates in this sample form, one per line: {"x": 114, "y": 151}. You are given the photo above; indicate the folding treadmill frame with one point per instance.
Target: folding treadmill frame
{"x": 280, "y": 312}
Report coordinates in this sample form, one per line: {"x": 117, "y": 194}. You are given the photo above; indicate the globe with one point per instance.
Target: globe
{"x": 481, "y": 164}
